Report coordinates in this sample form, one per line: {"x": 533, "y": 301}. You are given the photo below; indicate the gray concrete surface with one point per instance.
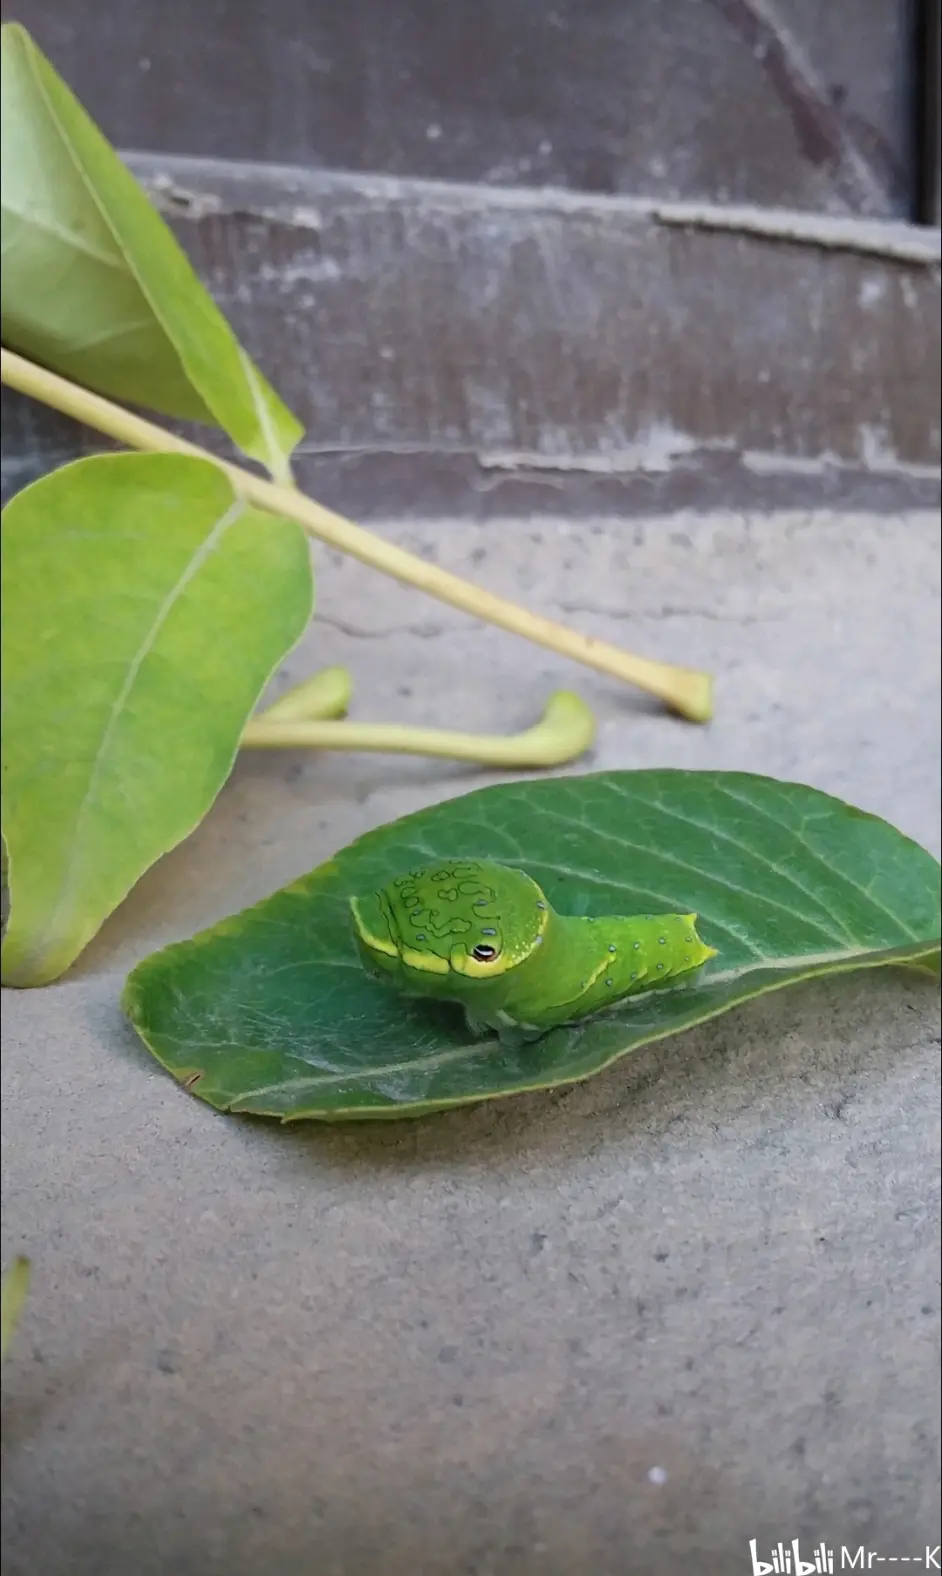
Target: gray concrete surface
{"x": 620, "y": 1329}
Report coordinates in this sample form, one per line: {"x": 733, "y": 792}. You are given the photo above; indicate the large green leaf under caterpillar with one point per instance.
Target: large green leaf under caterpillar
{"x": 271, "y": 1011}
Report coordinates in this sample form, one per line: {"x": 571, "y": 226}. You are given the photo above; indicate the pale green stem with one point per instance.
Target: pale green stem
{"x": 683, "y": 689}
{"x": 302, "y": 718}
{"x": 565, "y": 730}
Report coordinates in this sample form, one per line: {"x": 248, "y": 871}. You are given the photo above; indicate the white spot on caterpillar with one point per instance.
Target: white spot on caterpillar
{"x": 657, "y": 1475}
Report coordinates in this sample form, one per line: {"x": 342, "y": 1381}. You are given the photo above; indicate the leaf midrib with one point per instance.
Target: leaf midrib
{"x": 68, "y": 238}
{"x": 794, "y": 968}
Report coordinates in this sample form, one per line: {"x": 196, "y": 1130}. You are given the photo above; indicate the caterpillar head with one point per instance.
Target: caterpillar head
{"x": 460, "y": 917}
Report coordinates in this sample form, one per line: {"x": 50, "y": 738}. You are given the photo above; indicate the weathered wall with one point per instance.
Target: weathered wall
{"x": 621, "y": 255}
{"x": 459, "y": 348}
{"x": 789, "y": 103}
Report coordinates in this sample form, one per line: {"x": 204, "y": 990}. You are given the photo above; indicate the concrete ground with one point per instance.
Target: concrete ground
{"x": 624, "y": 1328}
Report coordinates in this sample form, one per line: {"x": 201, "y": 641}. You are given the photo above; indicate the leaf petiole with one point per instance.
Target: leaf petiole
{"x": 683, "y": 689}
{"x": 563, "y": 733}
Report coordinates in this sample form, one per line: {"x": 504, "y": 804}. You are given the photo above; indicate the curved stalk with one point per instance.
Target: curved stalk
{"x": 324, "y": 695}
{"x": 683, "y": 689}
{"x": 565, "y": 730}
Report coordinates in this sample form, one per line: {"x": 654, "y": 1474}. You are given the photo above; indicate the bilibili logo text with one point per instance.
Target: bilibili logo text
{"x": 789, "y": 1559}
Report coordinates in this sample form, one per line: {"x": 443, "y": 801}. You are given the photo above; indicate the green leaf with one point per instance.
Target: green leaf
{"x": 95, "y": 286}
{"x": 145, "y": 608}
{"x": 270, "y": 1012}
{"x": 14, "y": 1289}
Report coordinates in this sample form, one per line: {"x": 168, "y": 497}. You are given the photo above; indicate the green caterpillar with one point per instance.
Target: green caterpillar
{"x": 484, "y": 935}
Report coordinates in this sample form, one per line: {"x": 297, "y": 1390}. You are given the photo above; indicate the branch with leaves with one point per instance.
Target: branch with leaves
{"x": 683, "y": 689}
{"x": 151, "y": 595}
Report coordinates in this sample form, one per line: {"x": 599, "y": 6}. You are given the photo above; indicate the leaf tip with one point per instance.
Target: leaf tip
{"x": 14, "y": 1291}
